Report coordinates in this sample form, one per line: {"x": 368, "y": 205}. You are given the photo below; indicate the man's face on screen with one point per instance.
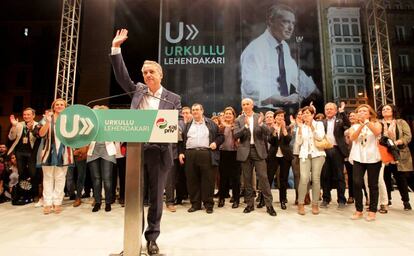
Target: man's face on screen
{"x": 282, "y": 26}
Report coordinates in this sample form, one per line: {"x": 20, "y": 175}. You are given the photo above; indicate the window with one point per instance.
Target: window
{"x": 337, "y": 30}
{"x": 345, "y": 30}
{"x": 361, "y": 91}
{"x": 351, "y": 91}
{"x": 407, "y": 93}
{"x": 342, "y": 91}
{"x": 400, "y": 33}
{"x": 348, "y": 60}
{"x": 404, "y": 63}
{"x": 358, "y": 60}
{"x": 339, "y": 61}
{"x": 355, "y": 29}
{"x": 398, "y": 5}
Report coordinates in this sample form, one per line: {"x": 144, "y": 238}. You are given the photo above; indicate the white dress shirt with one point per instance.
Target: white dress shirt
{"x": 260, "y": 70}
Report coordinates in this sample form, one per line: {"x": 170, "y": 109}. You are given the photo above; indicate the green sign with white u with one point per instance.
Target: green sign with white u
{"x": 78, "y": 125}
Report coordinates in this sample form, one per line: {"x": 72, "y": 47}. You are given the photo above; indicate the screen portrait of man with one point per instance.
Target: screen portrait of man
{"x": 270, "y": 76}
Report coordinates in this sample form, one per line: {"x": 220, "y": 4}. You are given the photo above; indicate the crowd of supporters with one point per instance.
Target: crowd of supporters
{"x": 249, "y": 154}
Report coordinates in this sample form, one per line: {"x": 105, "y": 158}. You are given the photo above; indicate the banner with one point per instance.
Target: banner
{"x": 78, "y": 125}
{"x": 217, "y": 52}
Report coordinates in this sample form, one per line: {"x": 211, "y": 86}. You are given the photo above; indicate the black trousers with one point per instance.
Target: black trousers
{"x": 181, "y": 183}
{"x": 157, "y": 170}
{"x": 200, "y": 177}
{"x": 373, "y": 174}
{"x": 401, "y": 179}
{"x": 26, "y": 165}
{"x": 170, "y": 183}
{"x": 230, "y": 172}
{"x": 349, "y": 171}
{"x": 119, "y": 171}
{"x": 273, "y": 165}
{"x": 333, "y": 175}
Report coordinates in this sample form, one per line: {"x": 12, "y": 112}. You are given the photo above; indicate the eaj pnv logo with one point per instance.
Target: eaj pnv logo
{"x": 77, "y": 126}
{"x": 161, "y": 123}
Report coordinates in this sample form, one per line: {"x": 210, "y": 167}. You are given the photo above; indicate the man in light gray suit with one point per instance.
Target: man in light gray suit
{"x": 252, "y": 152}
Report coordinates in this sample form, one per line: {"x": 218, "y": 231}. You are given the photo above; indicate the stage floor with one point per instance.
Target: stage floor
{"x": 24, "y": 230}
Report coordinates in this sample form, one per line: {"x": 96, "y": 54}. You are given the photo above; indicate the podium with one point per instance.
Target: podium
{"x": 79, "y": 125}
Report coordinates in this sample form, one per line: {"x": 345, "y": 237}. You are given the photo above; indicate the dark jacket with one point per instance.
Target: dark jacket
{"x": 214, "y": 136}
{"x": 341, "y": 124}
{"x": 282, "y": 142}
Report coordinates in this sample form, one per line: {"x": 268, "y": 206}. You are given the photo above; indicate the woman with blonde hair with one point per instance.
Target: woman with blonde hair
{"x": 55, "y": 159}
{"x": 365, "y": 157}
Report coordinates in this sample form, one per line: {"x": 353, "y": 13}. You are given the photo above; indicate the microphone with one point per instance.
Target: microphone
{"x": 144, "y": 92}
{"x": 111, "y": 97}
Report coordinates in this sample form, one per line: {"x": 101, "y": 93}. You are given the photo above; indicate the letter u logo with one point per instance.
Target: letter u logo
{"x": 75, "y": 126}
{"x": 168, "y": 32}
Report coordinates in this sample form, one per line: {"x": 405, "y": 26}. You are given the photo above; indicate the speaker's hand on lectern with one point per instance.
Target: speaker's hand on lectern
{"x": 181, "y": 158}
{"x": 120, "y": 37}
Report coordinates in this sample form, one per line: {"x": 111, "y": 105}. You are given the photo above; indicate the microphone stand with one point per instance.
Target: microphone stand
{"x": 146, "y": 93}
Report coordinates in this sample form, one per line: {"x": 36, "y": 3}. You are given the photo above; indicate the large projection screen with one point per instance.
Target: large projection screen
{"x": 216, "y": 52}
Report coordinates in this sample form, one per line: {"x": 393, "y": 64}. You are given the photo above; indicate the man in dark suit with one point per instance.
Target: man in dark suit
{"x": 158, "y": 157}
{"x": 252, "y": 152}
{"x": 335, "y": 124}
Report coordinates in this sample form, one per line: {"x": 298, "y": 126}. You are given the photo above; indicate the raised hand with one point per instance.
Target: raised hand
{"x": 13, "y": 120}
{"x": 312, "y": 106}
{"x": 342, "y": 107}
{"x": 120, "y": 37}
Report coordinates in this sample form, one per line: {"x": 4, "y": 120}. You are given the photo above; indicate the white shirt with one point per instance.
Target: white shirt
{"x": 306, "y": 140}
{"x": 147, "y": 102}
{"x": 251, "y": 128}
{"x": 364, "y": 148}
{"x": 260, "y": 71}
{"x": 279, "y": 151}
{"x": 330, "y": 125}
{"x": 198, "y": 135}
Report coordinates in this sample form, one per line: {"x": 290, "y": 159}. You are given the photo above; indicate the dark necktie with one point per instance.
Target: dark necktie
{"x": 282, "y": 72}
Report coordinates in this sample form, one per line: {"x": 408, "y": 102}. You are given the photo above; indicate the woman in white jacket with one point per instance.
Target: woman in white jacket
{"x": 311, "y": 157}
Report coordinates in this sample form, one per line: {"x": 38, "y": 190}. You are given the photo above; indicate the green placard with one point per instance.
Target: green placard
{"x": 125, "y": 125}
{"x": 79, "y": 125}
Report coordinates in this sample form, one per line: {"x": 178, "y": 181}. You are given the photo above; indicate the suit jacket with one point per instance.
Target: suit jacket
{"x": 16, "y": 133}
{"x": 341, "y": 124}
{"x": 260, "y": 134}
{"x": 281, "y": 141}
{"x": 214, "y": 136}
{"x": 124, "y": 80}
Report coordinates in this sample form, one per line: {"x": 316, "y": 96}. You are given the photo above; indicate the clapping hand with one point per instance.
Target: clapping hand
{"x": 261, "y": 119}
{"x": 120, "y": 37}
